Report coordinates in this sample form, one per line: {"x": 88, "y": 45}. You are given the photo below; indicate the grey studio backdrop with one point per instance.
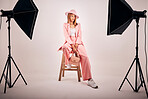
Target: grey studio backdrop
{"x": 39, "y": 61}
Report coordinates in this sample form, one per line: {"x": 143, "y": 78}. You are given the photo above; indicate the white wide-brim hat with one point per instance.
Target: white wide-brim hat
{"x": 73, "y": 12}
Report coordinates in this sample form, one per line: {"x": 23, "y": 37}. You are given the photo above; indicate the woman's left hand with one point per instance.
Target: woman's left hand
{"x": 76, "y": 45}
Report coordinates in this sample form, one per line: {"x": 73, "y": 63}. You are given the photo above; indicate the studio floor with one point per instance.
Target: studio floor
{"x": 45, "y": 86}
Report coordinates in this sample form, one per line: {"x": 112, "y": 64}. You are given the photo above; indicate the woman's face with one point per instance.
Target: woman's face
{"x": 72, "y": 17}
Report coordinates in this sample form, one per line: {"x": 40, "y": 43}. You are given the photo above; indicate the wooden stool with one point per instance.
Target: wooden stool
{"x": 73, "y": 68}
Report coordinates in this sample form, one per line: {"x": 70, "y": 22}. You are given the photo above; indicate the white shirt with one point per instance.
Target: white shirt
{"x": 72, "y": 31}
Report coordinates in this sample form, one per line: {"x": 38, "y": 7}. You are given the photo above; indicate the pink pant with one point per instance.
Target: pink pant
{"x": 85, "y": 64}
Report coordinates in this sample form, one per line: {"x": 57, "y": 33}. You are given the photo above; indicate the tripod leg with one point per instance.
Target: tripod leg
{"x": 143, "y": 78}
{"x": 6, "y": 80}
{"x": 136, "y": 89}
{"x": 4, "y": 71}
{"x": 19, "y": 72}
{"x": 9, "y": 66}
{"x": 127, "y": 74}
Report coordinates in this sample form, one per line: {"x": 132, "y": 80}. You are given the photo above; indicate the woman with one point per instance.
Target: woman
{"x": 73, "y": 44}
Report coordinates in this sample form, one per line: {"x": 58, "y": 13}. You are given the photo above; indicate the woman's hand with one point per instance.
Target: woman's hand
{"x": 76, "y": 46}
{"x": 75, "y": 49}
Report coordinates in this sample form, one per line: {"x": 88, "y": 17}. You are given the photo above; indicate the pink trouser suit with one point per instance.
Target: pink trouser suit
{"x": 67, "y": 49}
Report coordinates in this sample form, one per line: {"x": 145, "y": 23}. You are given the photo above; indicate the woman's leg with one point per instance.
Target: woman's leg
{"x": 86, "y": 67}
{"x": 85, "y": 64}
{"x": 66, "y": 51}
{"x": 66, "y": 54}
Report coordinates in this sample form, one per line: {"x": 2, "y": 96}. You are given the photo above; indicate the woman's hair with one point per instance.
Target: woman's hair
{"x": 68, "y": 17}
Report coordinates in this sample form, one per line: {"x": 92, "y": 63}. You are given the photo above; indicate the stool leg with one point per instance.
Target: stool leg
{"x": 61, "y": 69}
{"x": 78, "y": 71}
{"x": 60, "y": 74}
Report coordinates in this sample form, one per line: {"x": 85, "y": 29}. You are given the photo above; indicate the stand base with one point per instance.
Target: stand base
{"x": 136, "y": 89}
{"x": 8, "y": 66}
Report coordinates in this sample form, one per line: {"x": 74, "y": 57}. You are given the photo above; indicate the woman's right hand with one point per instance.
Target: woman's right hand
{"x": 74, "y": 49}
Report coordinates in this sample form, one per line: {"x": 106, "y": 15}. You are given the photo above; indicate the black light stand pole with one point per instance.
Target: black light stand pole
{"x": 9, "y": 56}
{"x": 138, "y": 66}
{"x": 8, "y": 64}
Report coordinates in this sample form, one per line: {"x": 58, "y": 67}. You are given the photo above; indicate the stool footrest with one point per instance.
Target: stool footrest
{"x": 71, "y": 69}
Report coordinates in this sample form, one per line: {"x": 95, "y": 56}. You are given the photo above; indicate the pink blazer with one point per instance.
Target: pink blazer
{"x": 66, "y": 30}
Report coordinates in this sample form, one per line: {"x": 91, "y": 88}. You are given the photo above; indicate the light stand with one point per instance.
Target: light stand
{"x": 8, "y": 64}
{"x": 138, "y": 67}
{"x": 120, "y": 15}
{"x": 24, "y": 13}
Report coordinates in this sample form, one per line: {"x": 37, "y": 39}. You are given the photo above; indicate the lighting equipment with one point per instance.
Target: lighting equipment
{"x": 120, "y": 15}
{"x": 25, "y": 14}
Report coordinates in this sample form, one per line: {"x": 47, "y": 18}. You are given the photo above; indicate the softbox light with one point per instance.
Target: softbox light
{"x": 120, "y": 15}
{"x": 25, "y": 14}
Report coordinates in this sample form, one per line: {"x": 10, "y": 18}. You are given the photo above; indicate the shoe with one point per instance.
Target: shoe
{"x": 92, "y": 84}
{"x": 68, "y": 66}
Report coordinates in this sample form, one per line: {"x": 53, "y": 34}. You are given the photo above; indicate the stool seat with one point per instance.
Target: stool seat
{"x": 73, "y": 68}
